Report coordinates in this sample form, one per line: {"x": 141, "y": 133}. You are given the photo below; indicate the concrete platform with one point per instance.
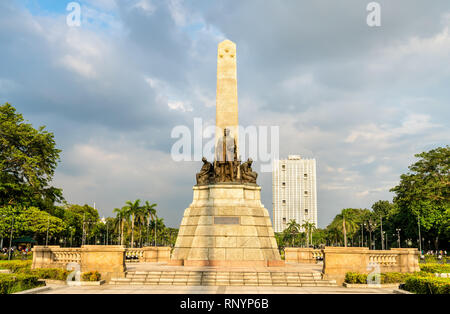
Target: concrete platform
{"x": 111, "y": 289}
{"x": 289, "y": 267}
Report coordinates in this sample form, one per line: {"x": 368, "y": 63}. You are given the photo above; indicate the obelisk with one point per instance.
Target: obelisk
{"x": 227, "y": 97}
{"x": 226, "y": 224}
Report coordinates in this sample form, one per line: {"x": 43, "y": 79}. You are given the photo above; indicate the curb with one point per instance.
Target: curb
{"x": 34, "y": 290}
{"x": 381, "y": 286}
{"x": 400, "y": 291}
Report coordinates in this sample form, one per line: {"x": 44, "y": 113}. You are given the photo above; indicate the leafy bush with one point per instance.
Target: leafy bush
{"x": 435, "y": 268}
{"x": 427, "y": 285}
{"x": 11, "y": 283}
{"x": 391, "y": 277}
{"x": 355, "y": 278}
{"x": 91, "y": 276}
{"x": 15, "y": 266}
{"x": 394, "y": 277}
{"x": 49, "y": 273}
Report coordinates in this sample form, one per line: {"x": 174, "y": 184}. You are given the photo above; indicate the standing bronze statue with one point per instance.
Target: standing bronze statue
{"x": 225, "y": 163}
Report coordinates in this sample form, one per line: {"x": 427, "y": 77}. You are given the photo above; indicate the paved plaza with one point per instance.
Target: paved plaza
{"x": 133, "y": 289}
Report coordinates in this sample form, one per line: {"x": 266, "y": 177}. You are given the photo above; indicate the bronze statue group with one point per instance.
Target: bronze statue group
{"x": 227, "y": 167}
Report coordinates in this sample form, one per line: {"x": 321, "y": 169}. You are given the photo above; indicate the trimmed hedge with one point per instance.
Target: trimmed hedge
{"x": 355, "y": 278}
{"x": 49, "y": 273}
{"x": 91, "y": 276}
{"x": 11, "y": 283}
{"x": 15, "y": 266}
{"x": 392, "y": 277}
{"x": 427, "y": 285}
{"x": 435, "y": 268}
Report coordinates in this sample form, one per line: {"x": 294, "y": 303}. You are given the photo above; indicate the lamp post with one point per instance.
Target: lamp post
{"x": 382, "y": 242}
{"x": 398, "y": 236}
{"x": 48, "y": 227}
{"x": 420, "y": 242}
{"x": 362, "y": 235}
{"x": 10, "y": 238}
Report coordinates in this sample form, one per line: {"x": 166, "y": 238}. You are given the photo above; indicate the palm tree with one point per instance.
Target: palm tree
{"x": 121, "y": 214}
{"x": 141, "y": 218}
{"x": 132, "y": 209}
{"x": 151, "y": 214}
{"x": 308, "y": 227}
{"x": 345, "y": 222}
{"x": 293, "y": 228}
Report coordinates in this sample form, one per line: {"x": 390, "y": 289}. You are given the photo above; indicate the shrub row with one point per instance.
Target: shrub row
{"x": 427, "y": 285}
{"x": 11, "y": 283}
{"x": 15, "y": 266}
{"x": 49, "y": 273}
{"x": 435, "y": 268}
{"x": 392, "y": 277}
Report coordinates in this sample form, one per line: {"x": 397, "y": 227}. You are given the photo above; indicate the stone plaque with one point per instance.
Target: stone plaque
{"x": 226, "y": 220}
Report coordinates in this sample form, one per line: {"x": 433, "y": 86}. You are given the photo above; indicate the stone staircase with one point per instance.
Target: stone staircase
{"x": 223, "y": 278}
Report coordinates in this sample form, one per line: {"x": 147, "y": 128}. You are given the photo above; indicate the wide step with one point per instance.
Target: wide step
{"x": 199, "y": 278}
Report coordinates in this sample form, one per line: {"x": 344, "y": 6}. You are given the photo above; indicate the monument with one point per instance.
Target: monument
{"x": 226, "y": 224}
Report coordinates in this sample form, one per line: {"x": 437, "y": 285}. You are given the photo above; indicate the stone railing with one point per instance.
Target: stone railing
{"x": 383, "y": 258}
{"x": 55, "y": 256}
{"x": 302, "y": 255}
{"x": 338, "y": 261}
{"x": 148, "y": 254}
{"x": 134, "y": 255}
{"x": 108, "y": 260}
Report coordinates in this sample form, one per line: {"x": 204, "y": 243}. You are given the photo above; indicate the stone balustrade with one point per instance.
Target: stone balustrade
{"x": 302, "y": 255}
{"x": 55, "y": 256}
{"x": 338, "y": 261}
{"x": 134, "y": 255}
{"x": 108, "y": 260}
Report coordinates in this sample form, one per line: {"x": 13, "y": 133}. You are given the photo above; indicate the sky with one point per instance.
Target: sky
{"x": 360, "y": 100}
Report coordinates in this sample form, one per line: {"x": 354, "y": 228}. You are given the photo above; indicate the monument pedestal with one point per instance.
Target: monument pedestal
{"x": 226, "y": 225}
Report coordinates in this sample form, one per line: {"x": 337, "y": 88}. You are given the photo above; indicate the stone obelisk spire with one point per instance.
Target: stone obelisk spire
{"x": 227, "y": 98}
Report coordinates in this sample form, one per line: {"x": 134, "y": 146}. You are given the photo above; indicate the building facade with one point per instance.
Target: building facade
{"x": 294, "y": 192}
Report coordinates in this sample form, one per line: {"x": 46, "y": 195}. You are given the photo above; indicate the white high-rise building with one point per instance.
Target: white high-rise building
{"x": 294, "y": 192}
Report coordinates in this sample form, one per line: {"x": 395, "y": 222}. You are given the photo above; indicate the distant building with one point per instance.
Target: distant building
{"x": 294, "y": 192}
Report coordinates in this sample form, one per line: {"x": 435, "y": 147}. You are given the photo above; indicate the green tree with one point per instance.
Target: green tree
{"x": 423, "y": 195}
{"x": 29, "y": 221}
{"x": 132, "y": 208}
{"x": 121, "y": 214}
{"x": 28, "y": 159}
{"x": 309, "y": 228}
{"x": 292, "y": 229}
{"x": 151, "y": 210}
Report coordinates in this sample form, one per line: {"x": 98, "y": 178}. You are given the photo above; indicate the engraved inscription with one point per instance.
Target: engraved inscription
{"x": 226, "y": 220}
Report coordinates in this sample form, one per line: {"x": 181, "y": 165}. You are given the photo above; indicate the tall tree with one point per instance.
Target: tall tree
{"x": 121, "y": 214}
{"x": 293, "y": 228}
{"x": 151, "y": 210}
{"x": 28, "y": 159}
{"x": 132, "y": 209}
{"x": 423, "y": 195}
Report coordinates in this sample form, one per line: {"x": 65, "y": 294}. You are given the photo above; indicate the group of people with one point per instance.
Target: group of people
{"x": 23, "y": 250}
{"x": 438, "y": 253}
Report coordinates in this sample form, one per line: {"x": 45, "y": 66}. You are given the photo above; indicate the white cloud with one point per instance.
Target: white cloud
{"x": 147, "y": 5}
{"x": 79, "y": 66}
